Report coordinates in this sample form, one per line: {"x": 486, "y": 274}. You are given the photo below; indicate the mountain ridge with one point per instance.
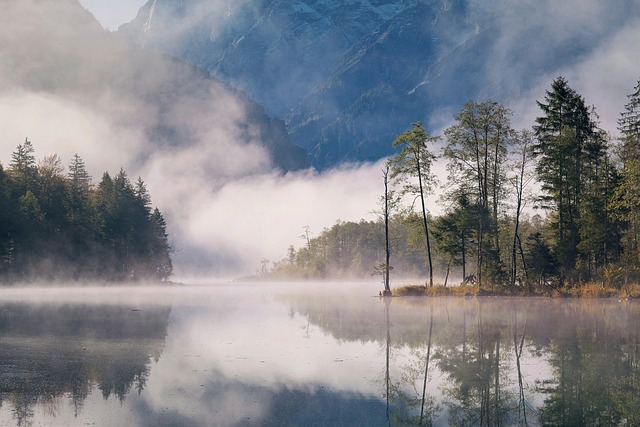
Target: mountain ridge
{"x": 338, "y": 71}
{"x": 70, "y": 57}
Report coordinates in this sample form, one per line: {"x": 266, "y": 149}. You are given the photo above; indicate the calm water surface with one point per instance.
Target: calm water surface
{"x": 312, "y": 355}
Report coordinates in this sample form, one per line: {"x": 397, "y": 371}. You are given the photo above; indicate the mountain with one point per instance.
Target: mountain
{"x": 54, "y": 51}
{"x": 348, "y": 76}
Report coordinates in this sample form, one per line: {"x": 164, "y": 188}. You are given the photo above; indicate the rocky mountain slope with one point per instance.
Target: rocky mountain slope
{"x": 348, "y": 76}
{"x": 56, "y": 51}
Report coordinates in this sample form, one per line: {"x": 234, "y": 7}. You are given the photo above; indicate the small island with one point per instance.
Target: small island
{"x": 55, "y": 225}
{"x": 552, "y": 210}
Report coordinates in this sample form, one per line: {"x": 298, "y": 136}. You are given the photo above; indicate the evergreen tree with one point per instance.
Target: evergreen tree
{"x": 454, "y": 231}
{"x": 23, "y": 167}
{"x": 55, "y": 225}
{"x": 388, "y": 202}
{"x": 568, "y": 147}
{"x": 160, "y": 248}
{"x": 142, "y": 194}
{"x": 540, "y": 260}
{"x": 52, "y": 192}
{"x": 7, "y": 216}
{"x": 627, "y": 194}
{"x": 629, "y": 127}
{"x": 79, "y": 189}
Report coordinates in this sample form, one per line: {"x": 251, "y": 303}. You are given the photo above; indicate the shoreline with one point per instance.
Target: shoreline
{"x": 592, "y": 290}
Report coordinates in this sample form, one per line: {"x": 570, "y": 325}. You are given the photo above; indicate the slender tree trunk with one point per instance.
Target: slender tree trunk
{"x": 424, "y": 221}
{"x": 464, "y": 258}
{"x": 387, "y": 302}
{"x": 426, "y": 369}
{"x": 446, "y": 278}
{"x": 496, "y": 179}
{"x": 519, "y": 195}
{"x": 496, "y": 390}
{"x": 387, "y": 286}
{"x": 524, "y": 264}
{"x": 517, "y": 346}
{"x": 480, "y": 244}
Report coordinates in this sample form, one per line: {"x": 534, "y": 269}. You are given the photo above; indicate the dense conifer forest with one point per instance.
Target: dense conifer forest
{"x": 554, "y": 206}
{"x": 55, "y": 224}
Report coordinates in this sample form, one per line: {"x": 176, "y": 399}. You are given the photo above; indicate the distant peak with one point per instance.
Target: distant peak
{"x": 147, "y": 25}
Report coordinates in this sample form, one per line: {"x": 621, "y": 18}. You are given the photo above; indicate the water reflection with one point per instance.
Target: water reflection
{"x": 315, "y": 355}
{"x": 53, "y": 351}
{"x": 500, "y": 361}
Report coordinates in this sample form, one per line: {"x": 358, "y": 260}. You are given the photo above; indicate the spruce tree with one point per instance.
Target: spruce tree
{"x": 569, "y": 147}
{"x": 79, "y": 182}
{"x": 627, "y": 194}
{"x": 22, "y": 167}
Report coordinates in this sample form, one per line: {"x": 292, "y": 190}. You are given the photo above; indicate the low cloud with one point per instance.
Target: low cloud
{"x": 225, "y": 207}
{"x": 259, "y": 216}
{"x": 191, "y": 140}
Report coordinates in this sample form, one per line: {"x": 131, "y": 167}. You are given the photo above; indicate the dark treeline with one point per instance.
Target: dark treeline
{"x": 583, "y": 181}
{"x": 56, "y": 225}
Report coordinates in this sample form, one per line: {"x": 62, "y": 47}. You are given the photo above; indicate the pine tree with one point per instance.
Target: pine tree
{"x": 79, "y": 189}
{"x": 569, "y": 147}
{"x": 454, "y": 230}
{"x": 22, "y": 167}
{"x": 627, "y": 194}
{"x": 6, "y": 223}
{"x": 160, "y": 247}
{"x": 629, "y": 127}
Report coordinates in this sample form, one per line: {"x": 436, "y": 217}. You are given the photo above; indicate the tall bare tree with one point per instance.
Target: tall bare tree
{"x": 411, "y": 164}
{"x": 477, "y": 145}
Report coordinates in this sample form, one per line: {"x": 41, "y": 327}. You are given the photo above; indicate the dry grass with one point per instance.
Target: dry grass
{"x": 439, "y": 291}
{"x": 598, "y": 290}
{"x": 592, "y": 290}
{"x": 630, "y": 291}
{"x": 589, "y": 290}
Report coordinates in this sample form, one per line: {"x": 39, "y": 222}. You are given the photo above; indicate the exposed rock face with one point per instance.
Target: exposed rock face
{"x": 277, "y": 51}
{"x": 57, "y": 50}
{"x": 350, "y": 75}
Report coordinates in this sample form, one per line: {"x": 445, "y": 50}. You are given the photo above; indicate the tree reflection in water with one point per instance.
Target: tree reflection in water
{"x": 501, "y": 361}
{"x": 412, "y": 404}
{"x": 53, "y": 351}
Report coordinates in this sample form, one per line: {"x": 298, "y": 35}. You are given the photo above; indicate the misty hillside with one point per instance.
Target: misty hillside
{"x": 57, "y": 52}
{"x": 348, "y": 76}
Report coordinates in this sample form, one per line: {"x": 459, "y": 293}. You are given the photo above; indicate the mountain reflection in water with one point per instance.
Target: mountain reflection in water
{"x": 314, "y": 355}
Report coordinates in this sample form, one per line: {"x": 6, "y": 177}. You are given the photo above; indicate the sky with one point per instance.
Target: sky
{"x": 113, "y": 13}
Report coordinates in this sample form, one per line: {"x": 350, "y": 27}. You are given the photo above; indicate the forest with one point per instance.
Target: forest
{"x": 554, "y": 206}
{"x": 60, "y": 226}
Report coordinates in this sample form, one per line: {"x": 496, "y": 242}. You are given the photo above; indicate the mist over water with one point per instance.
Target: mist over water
{"x": 216, "y": 352}
{"x": 281, "y": 354}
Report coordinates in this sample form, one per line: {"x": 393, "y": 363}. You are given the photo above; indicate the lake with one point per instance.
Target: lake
{"x": 312, "y": 354}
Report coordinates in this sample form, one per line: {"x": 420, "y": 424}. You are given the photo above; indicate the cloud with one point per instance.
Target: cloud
{"x": 58, "y": 126}
{"x": 589, "y": 42}
{"x": 260, "y": 215}
{"x": 73, "y": 88}
{"x": 192, "y": 140}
